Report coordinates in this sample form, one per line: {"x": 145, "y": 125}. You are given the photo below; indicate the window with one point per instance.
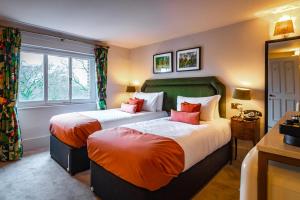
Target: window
{"x": 49, "y": 77}
{"x": 58, "y": 78}
{"x": 80, "y": 78}
{"x": 31, "y": 77}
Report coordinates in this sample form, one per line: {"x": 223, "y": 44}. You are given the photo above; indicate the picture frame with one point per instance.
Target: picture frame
{"x": 188, "y": 59}
{"x": 163, "y": 63}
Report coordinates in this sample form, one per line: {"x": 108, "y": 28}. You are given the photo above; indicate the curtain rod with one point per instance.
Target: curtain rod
{"x": 59, "y": 35}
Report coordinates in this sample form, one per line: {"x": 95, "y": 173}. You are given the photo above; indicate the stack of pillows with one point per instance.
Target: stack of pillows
{"x": 192, "y": 110}
{"x": 142, "y": 101}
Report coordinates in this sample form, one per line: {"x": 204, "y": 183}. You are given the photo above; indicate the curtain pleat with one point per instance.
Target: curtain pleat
{"x": 10, "y": 134}
{"x": 101, "y": 69}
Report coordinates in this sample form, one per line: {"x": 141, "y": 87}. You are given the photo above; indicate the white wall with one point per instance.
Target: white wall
{"x": 34, "y": 122}
{"x": 118, "y": 75}
{"x": 235, "y": 54}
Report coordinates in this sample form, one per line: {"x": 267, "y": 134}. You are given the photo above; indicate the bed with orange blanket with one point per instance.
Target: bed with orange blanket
{"x": 69, "y": 133}
{"x": 150, "y": 155}
{"x": 161, "y": 159}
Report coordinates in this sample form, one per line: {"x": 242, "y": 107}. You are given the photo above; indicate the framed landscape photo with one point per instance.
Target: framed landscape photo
{"x": 188, "y": 59}
{"x": 162, "y": 63}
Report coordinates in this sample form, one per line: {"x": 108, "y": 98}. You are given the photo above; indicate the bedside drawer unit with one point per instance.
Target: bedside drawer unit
{"x": 245, "y": 130}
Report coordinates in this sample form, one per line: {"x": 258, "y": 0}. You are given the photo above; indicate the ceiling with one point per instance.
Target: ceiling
{"x": 132, "y": 23}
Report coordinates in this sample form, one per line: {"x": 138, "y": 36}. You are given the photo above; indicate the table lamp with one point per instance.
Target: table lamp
{"x": 241, "y": 94}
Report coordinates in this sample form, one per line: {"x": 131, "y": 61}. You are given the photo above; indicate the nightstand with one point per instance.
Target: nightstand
{"x": 245, "y": 130}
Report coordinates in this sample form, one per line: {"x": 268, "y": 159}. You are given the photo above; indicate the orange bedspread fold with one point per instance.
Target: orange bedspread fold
{"x": 73, "y": 129}
{"x": 145, "y": 160}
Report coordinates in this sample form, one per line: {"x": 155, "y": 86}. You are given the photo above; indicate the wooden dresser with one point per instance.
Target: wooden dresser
{"x": 272, "y": 147}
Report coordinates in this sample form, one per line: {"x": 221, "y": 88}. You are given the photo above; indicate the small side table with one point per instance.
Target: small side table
{"x": 245, "y": 130}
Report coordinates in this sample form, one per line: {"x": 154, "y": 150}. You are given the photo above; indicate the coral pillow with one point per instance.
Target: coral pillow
{"x": 190, "y": 107}
{"x": 130, "y": 108}
{"x": 186, "y": 117}
{"x": 138, "y": 102}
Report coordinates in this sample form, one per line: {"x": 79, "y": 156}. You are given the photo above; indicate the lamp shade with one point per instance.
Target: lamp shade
{"x": 130, "y": 88}
{"x": 284, "y": 27}
{"x": 242, "y": 94}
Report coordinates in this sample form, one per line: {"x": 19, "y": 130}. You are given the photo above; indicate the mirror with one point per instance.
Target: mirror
{"x": 282, "y": 86}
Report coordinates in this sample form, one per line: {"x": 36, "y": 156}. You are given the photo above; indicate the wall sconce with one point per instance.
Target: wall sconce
{"x": 241, "y": 94}
{"x": 284, "y": 28}
{"x": 130, "y": 89}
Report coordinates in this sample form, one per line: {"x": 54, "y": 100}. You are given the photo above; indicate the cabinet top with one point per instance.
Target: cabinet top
{"x": 234, "y": 118}
{"x": 273, "y": 143}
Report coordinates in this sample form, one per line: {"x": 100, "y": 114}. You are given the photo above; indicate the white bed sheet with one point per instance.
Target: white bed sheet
{"x": 197, "y": 141}
{"x": 115, "y": 117}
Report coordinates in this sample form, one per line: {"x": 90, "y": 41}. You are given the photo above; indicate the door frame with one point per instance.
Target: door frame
{"x": 267, "y": 72}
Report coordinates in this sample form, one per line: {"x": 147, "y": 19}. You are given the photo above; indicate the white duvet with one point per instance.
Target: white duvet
{"x": 197, "y": 141}
{"x": 115, "y": 117}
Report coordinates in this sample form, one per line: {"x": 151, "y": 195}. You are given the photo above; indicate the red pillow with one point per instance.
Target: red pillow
{"x": 138, "y": 102}
{"x": 186, "y": 117}
{"x": 190, "y": 107}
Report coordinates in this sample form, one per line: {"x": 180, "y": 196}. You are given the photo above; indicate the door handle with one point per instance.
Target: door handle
{"x": 272, "y": 95}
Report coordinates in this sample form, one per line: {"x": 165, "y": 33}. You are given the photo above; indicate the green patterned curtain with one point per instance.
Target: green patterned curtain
{"x": 101, "y": 69}
{"x": 10, "y": 135}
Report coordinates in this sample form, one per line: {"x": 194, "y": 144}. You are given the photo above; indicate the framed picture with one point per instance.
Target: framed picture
{"x": 162, "y": 63}
{"x": 188, "y": 59}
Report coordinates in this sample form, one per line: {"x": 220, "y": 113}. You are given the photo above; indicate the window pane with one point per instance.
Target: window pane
{"x": 58, "y": 78}
{"x": 31, "y": 77}
{"x": 80, "y": 79}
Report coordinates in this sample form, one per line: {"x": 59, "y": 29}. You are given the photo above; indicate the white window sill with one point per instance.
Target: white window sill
{"x": 26, "y": 107}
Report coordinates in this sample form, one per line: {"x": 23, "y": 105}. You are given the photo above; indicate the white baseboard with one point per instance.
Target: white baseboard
{"x": 36, "y": 143}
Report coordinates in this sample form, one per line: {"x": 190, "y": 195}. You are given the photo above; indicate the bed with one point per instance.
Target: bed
{"x": 68, "y": 148}
{"x": 198, "y": 169}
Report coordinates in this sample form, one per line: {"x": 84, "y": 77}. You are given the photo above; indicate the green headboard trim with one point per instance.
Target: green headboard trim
{"x": 188, "y": 87}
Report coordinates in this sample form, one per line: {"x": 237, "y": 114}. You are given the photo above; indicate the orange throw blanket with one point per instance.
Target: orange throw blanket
{"x": 145, "y": 160}
{"x": 73, "y": 129}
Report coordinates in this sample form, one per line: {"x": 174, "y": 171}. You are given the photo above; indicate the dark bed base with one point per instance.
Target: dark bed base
{"x": 185, "y": 186}
{"x": 71, "y": 159}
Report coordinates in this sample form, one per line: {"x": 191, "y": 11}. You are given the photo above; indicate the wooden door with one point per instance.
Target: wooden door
{"x": 284, "y": 90}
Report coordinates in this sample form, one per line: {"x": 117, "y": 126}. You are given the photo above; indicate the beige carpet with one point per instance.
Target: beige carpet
{"x": 38, "y": 177}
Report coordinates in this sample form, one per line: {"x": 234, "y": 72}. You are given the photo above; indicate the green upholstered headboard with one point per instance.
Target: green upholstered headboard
{"x": 188, "y": 87}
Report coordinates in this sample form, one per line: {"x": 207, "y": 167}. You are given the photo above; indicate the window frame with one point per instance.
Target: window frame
{"x": 61, "y": 53}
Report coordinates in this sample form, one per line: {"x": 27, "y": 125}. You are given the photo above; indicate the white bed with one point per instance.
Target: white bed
{"x": 283, "y": 180}
{"x": 197, "y": 141}
{"x": 115, "y": 117}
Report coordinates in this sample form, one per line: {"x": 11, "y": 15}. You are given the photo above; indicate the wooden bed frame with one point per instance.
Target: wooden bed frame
{"x": 187, "y": 184}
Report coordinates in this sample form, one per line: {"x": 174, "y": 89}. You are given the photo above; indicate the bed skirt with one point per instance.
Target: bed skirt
{"x": 73, "y": 160}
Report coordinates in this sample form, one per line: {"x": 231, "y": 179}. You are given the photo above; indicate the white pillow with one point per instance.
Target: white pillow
{"x": 160, "y": 101}
{"x": 208, "y": 105}
{"x": 217, "y": 114}
{"x": 150, "y": 100}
